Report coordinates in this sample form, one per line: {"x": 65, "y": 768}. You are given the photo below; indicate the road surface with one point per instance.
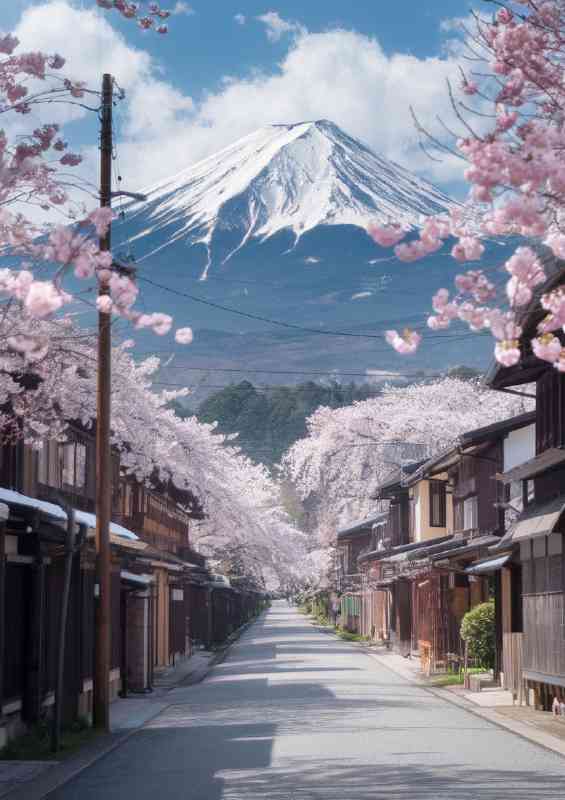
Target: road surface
{"x": 295, "y": 714}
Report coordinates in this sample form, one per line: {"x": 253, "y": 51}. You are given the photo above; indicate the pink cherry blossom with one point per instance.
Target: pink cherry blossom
{"x": 475, "y": 283}
{"x": 547, "y": 347}
{"x": 556, "y": 242}
{"x": 101, "y": 219}
{"x": 503, "y": 325}
{"x": 104, "y": 304}
{"x": 518, "y": 292}
{"x": 184, "y": 335}
{"x": 160, "y": 323}
{"x": 43, "y": 299}
{"x": 386, "y": 235}
{"x": 413, "y": 251}
{"x": 407, "y": 343}
{"x": 507, "y": 352}
{"x": 468, "y": 248}
{"x": 71, "y": 159}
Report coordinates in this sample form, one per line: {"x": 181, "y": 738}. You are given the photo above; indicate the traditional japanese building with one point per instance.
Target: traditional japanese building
{"x": 536, "y": 535}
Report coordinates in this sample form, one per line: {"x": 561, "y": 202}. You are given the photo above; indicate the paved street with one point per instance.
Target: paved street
{"x": 295, "y": 714}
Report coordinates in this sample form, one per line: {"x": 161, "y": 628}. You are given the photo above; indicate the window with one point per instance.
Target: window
{"x": 470, "y": 513}
{"x": 61, "y": 465}
{"x": 438, "y": 503}
{"x": 73, "y": 464}
{"x": 50, "y": 465}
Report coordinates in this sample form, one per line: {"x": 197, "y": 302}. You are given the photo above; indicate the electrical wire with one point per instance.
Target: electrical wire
{"x": 280, "y": 323}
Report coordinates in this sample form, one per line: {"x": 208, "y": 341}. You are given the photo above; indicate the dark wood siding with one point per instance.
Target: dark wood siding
{"x": 474, "y": 476}
{"x": 544, "y": 644}
{"x": 116, "y": 625}
{"x": 543, "y": 585}
{"x": 397, "y": 528}
{"x": 18, "y": 580}
{"x": 550, "y": 411}
{"x": 87, "y": 623}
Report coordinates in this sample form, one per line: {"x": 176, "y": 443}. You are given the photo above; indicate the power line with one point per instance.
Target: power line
{"x": 257, "y": 317}
{"x": 327, "y": 373}
{"x": 290, "y": 325}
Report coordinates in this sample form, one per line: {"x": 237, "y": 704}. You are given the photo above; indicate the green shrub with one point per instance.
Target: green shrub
{"x": 478, "y": 631}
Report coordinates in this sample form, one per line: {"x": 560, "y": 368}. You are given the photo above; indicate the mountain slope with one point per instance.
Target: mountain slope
{"x": 276, "y": 224}
{"x": 284, "y": 177}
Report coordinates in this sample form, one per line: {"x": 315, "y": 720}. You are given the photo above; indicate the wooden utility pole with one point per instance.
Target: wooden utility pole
{"x": 101, "y": 699}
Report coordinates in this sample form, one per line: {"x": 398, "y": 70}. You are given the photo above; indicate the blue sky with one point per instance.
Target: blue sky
{"x": 204, "y": 47}
{"x": 227, "y": 68}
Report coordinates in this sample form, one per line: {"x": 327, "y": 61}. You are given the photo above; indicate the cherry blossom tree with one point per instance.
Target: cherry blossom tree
{"x": 36, "y": 171}
{"x": 510, "y": 112}
{"x": 41, "y": 389}
{"x": 349, "y": 451}
{"x": 149, "y": 16}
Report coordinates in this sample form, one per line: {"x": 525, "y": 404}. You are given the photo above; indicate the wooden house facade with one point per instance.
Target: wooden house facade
{"x": 357, "y": 613}
{"x": 153, "y": 570}
{"x": 535, "y": 538}
{"x": 450, "y": 517}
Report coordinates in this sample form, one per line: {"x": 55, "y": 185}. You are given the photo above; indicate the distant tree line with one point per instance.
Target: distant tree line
{"x": 269, "y": 421}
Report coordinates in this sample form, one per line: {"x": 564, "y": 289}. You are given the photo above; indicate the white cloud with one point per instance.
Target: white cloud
{"x": 277, "y": 27}
{"x": 241, "y": 19}
{"x": 340, "y": 75}
{"x": 361, "y": 295}
{"x": 89, "y": 43}
{"x": 183, "y": 8}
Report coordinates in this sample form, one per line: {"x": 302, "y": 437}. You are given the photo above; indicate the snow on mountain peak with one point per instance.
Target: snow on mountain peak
{"x": 281, "y": 177}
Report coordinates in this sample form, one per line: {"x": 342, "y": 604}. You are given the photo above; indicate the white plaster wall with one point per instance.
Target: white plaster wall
{"x": 519, "y": 446}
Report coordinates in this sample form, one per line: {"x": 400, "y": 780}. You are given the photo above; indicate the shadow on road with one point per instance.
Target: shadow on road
{"x": 289, "y": 717}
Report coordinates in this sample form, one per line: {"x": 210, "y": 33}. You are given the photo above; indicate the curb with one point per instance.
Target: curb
{"x": 65, "y": 771}
{"x": 520, "y": 729}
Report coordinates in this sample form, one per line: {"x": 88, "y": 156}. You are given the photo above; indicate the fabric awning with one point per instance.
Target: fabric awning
{"x": 529, "y": 469}
{"x": 538, "y": 520}
{"x": 486, "y": 567}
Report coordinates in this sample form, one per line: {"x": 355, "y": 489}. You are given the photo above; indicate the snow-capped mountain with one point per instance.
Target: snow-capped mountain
{"x": 276, "y": 225}
{"x": 285, "y": 177}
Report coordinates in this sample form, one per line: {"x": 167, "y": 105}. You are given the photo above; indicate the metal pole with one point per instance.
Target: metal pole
{"x": 101, "y": 699}
{"x": 69, "y": 553}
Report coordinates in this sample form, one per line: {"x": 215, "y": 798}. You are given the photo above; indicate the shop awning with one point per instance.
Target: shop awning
{"x": 529, "y": 469}
{"x": 486, "y": 567}
{"x": 538, "y": 520}
{"x": 85, "y": 518}
{"x": 16, "y": 499}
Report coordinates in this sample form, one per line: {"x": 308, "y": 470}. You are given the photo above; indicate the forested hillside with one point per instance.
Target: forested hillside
{"x": 269, "y": 421}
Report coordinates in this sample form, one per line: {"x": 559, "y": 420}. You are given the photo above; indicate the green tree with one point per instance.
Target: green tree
{"x": 478, "y": 631}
